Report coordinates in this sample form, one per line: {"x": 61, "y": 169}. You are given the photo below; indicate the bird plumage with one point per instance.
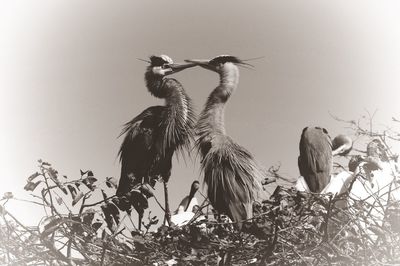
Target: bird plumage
{"x": 232, "y": 177}
{"x": 315, "y": 160}
{"x": 139, "y": 152}
{"x": 230, "y": 171}
{"x": 152, "y": 137}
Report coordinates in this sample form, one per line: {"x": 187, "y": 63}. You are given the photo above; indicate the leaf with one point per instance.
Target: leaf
{"x": 103, "y": 235}
{"x": 89, "y": 181}
{"x": 111, "y": 214}
{"x": 122, "y": 203}
{"x": 8, "y": 195}
{"x": 146, "y": 191}
{"x": 52, "y": 173}
{"x": 30, "y": 186}
{"x": 82, "y": 172}
{"x": 72, "y": 190}
{"x": 88, "y": 216}
{"x": 111, "y": 182}
{"x": 33, "y": 176}
{"x": 59, "y": 200}
{"x": 96, "y": 225}
{"x": 77, "y": 198}
{"x": 138, "y": 201}
{"x": 63, "y": 189}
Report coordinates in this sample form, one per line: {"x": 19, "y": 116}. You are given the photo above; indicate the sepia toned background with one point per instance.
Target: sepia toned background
{"x": 70, "y": 78}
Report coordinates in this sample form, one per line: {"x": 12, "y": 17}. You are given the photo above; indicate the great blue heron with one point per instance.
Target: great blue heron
{"x": 316, "y": 153}
{"x": 152, "y": 137}
{"x": 230, "y": 171}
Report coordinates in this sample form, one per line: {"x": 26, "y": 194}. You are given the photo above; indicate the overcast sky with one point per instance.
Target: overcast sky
{"x": 69, "y": 77}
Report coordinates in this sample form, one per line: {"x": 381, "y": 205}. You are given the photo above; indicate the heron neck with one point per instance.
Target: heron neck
{"x": 193, "y": 191}
{"x": 172, "y": 92}
{"x": 212, "y": 118}
{"x": 229, "y": 78}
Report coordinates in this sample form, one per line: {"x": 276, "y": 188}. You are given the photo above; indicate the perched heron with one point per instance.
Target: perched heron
{"x": 187, "y": 208}
{"x": 152, "y": 137}
{"x": 232, "y": 176}
{"x": 316, "y": 153}
{"x": 189, "y": 201}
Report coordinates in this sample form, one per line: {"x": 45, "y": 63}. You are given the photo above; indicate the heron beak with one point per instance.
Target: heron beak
{"x": 175, "y": 68}
{"x": 337, "y": 151}
{"x": 203, "y": 63}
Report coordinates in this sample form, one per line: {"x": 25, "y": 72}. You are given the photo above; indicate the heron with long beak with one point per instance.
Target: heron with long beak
{"x": 231, "y": 174}
{"x": 152, "y": 137}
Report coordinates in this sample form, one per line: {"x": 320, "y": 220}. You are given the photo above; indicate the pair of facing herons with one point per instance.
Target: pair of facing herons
{"x": 233, "y": 177}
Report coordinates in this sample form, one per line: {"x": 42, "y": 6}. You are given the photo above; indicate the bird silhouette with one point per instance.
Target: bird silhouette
{"x": 316, "y": 155}
{"x": 231, "y": 174}
{"x": 152, "y": 137}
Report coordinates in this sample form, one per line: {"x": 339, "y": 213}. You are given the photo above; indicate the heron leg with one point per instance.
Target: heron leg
{"x": 140, "y": 221}
{"x": 167, "y": 216}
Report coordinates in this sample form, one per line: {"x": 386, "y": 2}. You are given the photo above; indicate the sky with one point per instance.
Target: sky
{"x": 70, "y": 78}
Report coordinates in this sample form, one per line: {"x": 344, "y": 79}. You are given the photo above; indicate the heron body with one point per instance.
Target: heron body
{"x": 315, "y": 160}
{"x": 230, "y": 171}
{"x": 152, "y": 137}
{"x": 316, "y": 156}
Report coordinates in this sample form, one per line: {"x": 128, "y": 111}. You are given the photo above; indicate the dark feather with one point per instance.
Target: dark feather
{"x": 152, "y": 137}
{"x": 232, "y": 178}
{"x": 137, "y": 151}
{"x": 157, "y": 61}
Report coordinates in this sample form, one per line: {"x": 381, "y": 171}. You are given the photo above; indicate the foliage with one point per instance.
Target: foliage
{"x": 290, "y": 228}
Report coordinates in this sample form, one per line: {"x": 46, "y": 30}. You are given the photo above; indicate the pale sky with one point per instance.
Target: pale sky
{"x": 69, "y": 77}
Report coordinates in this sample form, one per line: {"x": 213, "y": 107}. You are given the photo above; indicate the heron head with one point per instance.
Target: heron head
{"x": 219, "y": 63}
{"x": 194, "y": 187}
{"x": 163, "y": 65}
{"x": 342, "y": 145}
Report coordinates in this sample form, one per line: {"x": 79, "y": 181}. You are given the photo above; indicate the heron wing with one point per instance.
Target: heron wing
{"x": 178, "y": 123}
{"x": 315, "y": 160}
{"x": 137, "y": 151}
{"x": 229, "y": 172}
